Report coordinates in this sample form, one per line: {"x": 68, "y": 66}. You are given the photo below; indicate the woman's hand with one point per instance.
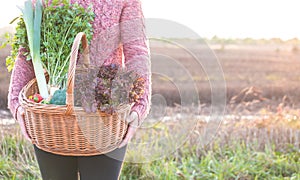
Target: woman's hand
{"x": 132, "y": 127}
{"x": 21, "y": 120}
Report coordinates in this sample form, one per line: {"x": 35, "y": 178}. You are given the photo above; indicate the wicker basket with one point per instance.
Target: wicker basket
{"x": 69, "y": 130}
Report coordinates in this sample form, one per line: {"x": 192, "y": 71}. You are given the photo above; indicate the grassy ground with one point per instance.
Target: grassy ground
{"x": 267, "y": 148}
{"x": 237, "y": 161}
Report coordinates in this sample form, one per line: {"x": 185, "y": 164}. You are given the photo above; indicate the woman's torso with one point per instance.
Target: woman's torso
{"x": 105, "y": 46}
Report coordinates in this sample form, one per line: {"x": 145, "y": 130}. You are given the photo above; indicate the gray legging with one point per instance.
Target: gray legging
{"x": 57, "y": 167}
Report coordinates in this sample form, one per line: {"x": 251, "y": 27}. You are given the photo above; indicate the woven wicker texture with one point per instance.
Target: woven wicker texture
{"x": 69, "y": 130}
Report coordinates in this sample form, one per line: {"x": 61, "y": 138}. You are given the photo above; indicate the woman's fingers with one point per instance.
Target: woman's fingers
{"x": 21, "y": 111}
{"x": 130, "y": 133}
{"x": 21, "y": 118}
{"x": 132, "y": 117}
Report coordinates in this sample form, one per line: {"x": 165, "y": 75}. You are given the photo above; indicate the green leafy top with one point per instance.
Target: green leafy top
{"x": 60, "y": 24}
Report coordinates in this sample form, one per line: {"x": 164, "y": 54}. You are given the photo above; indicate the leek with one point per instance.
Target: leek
{"x": 33, "y": 19}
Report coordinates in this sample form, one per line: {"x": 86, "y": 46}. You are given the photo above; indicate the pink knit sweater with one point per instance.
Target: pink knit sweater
{"x": 118, "y": 30}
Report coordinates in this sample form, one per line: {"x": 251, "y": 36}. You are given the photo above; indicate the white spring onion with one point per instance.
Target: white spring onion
{"x": 33, "y": 18}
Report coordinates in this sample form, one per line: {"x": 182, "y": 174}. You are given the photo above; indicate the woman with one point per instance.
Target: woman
{"x": 114, "y": 19}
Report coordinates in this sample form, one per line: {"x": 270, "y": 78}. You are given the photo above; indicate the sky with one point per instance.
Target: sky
{"x": 223, "y": 18}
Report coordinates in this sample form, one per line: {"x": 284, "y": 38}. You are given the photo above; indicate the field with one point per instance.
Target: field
{"x": 251, "y": 76}
{"x": 258, "y": 137}
{"x": 273, "y": 69}
{"x": 240, "y": 150}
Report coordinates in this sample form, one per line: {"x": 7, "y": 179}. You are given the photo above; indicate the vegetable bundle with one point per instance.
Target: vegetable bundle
{"x": 47, "y": 35}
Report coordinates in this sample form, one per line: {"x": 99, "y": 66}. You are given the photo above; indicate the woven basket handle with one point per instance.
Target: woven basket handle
{"x": 71, "y": 72}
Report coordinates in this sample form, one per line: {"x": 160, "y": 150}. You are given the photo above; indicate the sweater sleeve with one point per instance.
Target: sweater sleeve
{"x": 22, "y": 73}
{"x": 136, "y": 51}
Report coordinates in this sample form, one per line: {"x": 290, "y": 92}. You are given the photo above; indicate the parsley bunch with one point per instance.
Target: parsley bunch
{"x": 61, "y": 23}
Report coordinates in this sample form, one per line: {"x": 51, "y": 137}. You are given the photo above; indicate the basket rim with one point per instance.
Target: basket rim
{"x": 59, "y": 109}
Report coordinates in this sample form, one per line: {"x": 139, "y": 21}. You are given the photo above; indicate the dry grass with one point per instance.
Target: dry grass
{"x": 275, "y": 72}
